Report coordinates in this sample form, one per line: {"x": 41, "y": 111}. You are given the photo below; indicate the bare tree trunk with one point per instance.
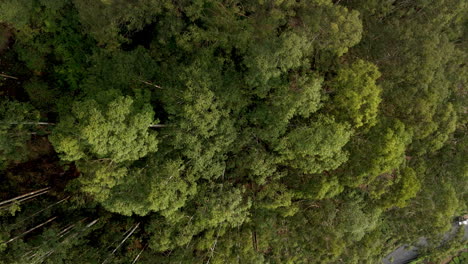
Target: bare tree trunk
{"x": 31, "y": 197}
{"x": 8, "y": 76}
{"x": 212, "y": 251}
{"x": 151, "y": 84}
{"x": 122, "y": 242}
{"x": 254, "y": 241}
{"x": 50, "y": 252}
{"x": 30, "y": 123}
{"x": 38, "y": 212}
{"x": 30, "y": 230}
{"x": 53, "y": 124}
{"x": 214, "y": 246}
{"x": 81, "y": 231}
{"x": 138, "y": 256}
{"x": 157, "y": 126}
{"x": 111, "y": 245}
{"x": 30, "y": 252}
{"x": 69, "y": 227}
{"x": 24, "y": 195}
{"x": 33, "y": 255}
{"x": 24, "y": 199}
{"x": 43, "y": 257}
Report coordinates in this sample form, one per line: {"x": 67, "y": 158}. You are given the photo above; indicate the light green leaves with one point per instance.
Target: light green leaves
{"x": 356, "y": 96}
{"x": 331, "y": 28}
{"x": 105, "y": 134}
{"x": 157, "y": 187}
{"x": 117, "y": 130}
{"x": 316, "y": 147}
{"x": 406, "y": 188}
{"x": 380, "y": 151}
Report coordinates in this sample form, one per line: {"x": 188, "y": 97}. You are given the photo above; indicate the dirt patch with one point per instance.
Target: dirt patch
{"x": 45, "y": 170}
{"x": 5, "y": 35}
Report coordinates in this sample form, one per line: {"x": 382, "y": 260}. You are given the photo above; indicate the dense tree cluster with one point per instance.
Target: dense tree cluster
{"x": 207, "y": 131}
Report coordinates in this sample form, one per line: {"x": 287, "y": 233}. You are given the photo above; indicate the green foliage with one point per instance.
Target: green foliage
{"x": 453, "y": 245}
{"x": 463, "y": 257}
{"x": 219, "y": 208}
{"x": 17, "y": 120}
{"x": 380, "y": 151}
{"x": 446, "y": 124}
{"x": 298, "y": 96}
{"x": 4, "y": 37}
{"x": 356, "y": 97}
{"x": 116, "y": 129}
{"x": 119, "y": 70}
{"x": 407, "y": 187}
{"x": 419, "y": 77}
{"x": 106, "y": 20}
{"x": 319, "y": 232}
{"x": 16, "y": 12}
{"x": 159, "y": 187}
{"x": 236, "y": 131}
{"x": 315, "y": 187}
{"x": 41, "y": 95}
{"x": 99, "y": 177}
{"x": 201, "y": 129}
{"x": 48, "y": 36}
{"x": 276, "y": 196}
{"x": 274, "y": 57}
{"x": 340, "y": 29}
{"x": 316, "y": 147}
{"x": 235, "y": 247}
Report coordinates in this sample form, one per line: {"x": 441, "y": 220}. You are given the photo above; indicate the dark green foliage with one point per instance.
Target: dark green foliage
{"x": 317, "y": 147}
{"x": 442, "y": 249}
{"x": 17, "y": 121}
{"x": 50, "y": 39}
{"x": 206, "y": 131}
{"x": 41, "y": 95}
{"x": 107, "y": 20}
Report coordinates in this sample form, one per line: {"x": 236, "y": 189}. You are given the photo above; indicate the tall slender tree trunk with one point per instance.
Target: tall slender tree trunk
{"x": 30, "y": 230}
{"x": 121, "y": 243}
{"x": 157, "y": 126}
{"x": 139, "y": 254}
{"x": 42, "y": 210}
{"x": 30, "y": 123}
{"x": 8, "y": 76}
{"x": 25, "y": 195}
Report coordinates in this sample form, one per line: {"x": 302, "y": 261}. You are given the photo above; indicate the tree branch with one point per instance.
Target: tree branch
{"x": 8, "y": 76}
{"x": 151, "y": 84}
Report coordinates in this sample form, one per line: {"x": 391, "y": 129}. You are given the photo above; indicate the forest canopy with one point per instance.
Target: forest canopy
{"x": 211, "y": 131}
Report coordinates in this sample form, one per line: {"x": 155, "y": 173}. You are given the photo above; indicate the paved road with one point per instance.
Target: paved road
{"x": 401, "y": 255}
{"x": 405, "y": 253}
